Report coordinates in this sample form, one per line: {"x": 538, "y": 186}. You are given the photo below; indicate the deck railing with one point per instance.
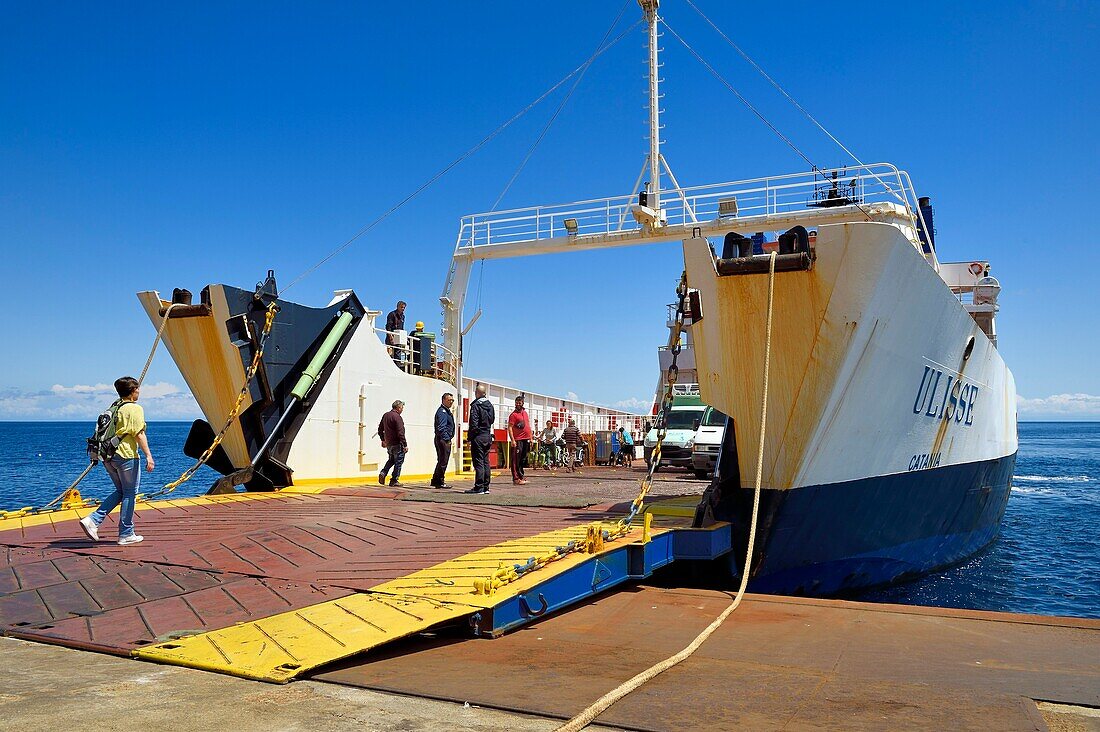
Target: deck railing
{"x": 878, "y": 182}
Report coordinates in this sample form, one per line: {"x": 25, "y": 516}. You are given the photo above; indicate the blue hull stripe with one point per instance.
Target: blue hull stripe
{"x": 841, "y": 537}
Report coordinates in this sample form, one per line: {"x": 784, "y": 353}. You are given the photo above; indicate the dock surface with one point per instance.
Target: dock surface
{"x": 243, "y": 576}
{"x": 776, "y": 663}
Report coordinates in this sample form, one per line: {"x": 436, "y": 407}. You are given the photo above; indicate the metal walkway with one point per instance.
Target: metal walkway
{"x": 270, "y": 587}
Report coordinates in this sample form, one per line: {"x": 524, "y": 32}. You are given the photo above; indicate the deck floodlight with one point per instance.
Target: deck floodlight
{"x": 727, "y": 207}
{"x": 570, "y": 226}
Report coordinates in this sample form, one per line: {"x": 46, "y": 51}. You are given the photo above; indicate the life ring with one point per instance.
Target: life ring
{"x": 976, "y": 268}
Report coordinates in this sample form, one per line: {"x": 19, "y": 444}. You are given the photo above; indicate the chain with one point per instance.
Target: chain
{"x": 675, "y": 345}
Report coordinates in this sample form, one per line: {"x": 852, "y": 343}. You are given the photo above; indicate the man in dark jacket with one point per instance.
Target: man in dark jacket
{"x": 482, "y": 416}
{"x": 395, "y": 321}
{"x": 392, "y": 431}
{"x": 444, "y": 433}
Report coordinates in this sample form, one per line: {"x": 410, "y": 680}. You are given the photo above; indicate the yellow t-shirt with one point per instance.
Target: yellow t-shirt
{"x": 129, "y": 423}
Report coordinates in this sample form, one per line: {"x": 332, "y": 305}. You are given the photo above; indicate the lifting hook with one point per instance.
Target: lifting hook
{"x": 525, "y": 608}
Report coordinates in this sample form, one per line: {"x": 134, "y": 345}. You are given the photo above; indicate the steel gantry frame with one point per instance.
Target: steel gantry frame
{"x": 881, "y": 193}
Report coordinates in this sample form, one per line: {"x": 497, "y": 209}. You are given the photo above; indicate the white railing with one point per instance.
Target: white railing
{"x": 878, "y": 182}
{"x": 542, "y": 408}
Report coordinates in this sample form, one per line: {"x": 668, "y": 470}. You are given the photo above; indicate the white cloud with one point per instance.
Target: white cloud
{"x": 572, "y": 396}
{"x": 634, "y": 404}
{"x": 159, "y": 390}
{"x": 162, "y": 401}
{"x": 60, "y": 390}
{"x": 1060, "y": 406}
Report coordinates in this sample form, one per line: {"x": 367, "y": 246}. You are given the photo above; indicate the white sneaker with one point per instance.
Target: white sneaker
{"x": 89, "y": 527}
{"x": 131, "y": 539}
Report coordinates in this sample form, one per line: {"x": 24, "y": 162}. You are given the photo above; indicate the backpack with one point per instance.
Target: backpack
{"x": 104, "y": 441}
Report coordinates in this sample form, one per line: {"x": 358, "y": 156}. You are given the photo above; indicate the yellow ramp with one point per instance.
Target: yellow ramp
{"x": 280, "y": 647}
{"x": 453, "y": 580}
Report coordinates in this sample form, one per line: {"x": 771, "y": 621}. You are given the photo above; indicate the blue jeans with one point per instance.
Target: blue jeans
{"x": 480, "y": 444}
{"x": 396, "y": 460}
{"x": 126, "y": 475}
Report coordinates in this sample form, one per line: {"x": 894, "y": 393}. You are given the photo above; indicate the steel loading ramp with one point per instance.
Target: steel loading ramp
{"x": 284, "y": 646}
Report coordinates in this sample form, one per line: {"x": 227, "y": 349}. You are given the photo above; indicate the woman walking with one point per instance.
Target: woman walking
{"x": 124, "y": 466}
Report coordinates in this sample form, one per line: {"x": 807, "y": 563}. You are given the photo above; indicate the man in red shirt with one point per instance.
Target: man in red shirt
{"x": 519, "y": 433}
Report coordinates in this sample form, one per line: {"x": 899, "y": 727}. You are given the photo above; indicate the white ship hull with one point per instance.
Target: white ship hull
{"x": 891, "y": 415}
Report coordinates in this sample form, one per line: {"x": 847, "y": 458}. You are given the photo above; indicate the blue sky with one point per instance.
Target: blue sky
{"x": 154, "y": 145}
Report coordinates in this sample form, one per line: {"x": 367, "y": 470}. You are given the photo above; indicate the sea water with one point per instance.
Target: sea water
{"x": 38, "y": 459}
{"x": 1047, "y": 560}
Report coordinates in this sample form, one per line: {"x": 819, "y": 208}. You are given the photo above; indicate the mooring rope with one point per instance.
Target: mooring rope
{"x": 587, "y": 716}
{"x": 157, "y": 340}
{"x": 70, "y": 497}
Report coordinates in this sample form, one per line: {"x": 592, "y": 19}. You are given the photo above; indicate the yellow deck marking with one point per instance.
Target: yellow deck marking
{"x": 280, "y": 647}
{"x": 53, "y": 517}
{"x": 368, "y": 481}
{"x": 306, "y": 490}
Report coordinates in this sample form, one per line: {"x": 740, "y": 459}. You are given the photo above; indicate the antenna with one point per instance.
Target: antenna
{"x": 648, "y": 212}
{"x": 649, "y": 10}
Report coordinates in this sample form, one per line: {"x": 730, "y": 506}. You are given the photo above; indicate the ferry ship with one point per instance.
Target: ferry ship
{"x": 892, "y": 415}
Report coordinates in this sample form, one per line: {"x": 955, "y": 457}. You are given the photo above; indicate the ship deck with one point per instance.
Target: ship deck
{"x": 326, "y": 581}
{"x": 355, "y": 567}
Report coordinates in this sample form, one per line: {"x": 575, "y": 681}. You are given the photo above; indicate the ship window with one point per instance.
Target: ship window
{"x": 969, "y": 348}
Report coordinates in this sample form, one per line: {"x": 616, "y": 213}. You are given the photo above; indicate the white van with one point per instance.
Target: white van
{"x": 708, "y": 442}
{"x": 676, "y": 448}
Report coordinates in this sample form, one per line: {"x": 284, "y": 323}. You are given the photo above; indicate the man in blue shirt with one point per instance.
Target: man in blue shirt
{"x": 444, "y": 433}
{"x": 626, "y": 447}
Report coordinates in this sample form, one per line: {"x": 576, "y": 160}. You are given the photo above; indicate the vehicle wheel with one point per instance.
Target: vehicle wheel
{"x": 701, "y": 474}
